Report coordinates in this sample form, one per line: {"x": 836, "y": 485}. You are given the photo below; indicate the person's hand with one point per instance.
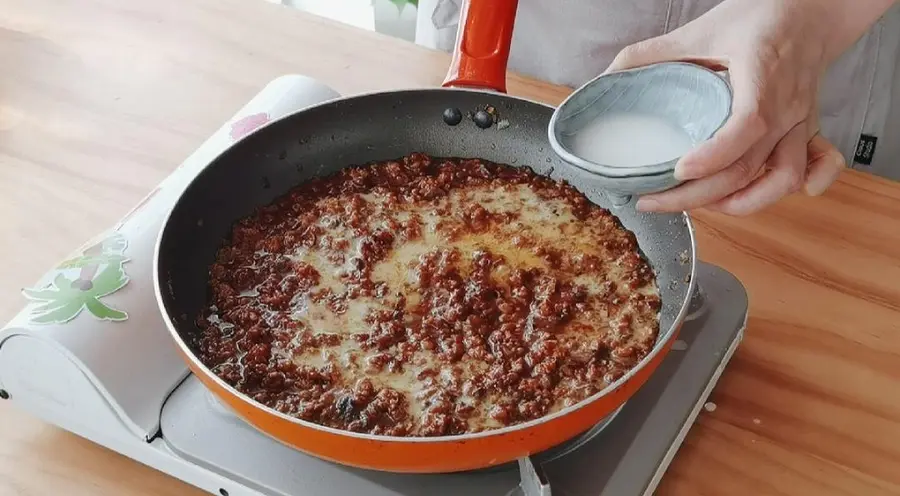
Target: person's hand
{"x": 775, "y": 52}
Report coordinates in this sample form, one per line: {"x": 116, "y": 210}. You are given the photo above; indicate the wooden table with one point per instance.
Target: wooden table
{"x": 100, "y": 99}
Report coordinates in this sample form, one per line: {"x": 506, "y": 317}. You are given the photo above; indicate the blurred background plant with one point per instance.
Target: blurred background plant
{"x": 403, "y": 3}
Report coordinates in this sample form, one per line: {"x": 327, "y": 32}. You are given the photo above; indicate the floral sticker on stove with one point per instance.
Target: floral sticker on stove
{"x": 245, "y": 125}
{"x": 81, "y": 283}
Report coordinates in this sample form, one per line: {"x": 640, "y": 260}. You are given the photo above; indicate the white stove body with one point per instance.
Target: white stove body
{"x": 91, "y": 354}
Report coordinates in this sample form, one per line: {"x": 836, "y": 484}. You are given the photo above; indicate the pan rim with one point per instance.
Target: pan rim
{"x": 662, "y": 340}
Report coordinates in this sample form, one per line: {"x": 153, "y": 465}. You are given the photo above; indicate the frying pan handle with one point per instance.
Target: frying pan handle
{"x": 482, "y": 44}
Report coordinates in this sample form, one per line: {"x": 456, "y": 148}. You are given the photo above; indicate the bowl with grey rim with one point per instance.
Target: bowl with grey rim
{"x": 696, "y": 99}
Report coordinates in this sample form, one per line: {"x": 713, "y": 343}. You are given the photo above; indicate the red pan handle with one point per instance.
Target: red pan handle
{"x": 482, "y": 44}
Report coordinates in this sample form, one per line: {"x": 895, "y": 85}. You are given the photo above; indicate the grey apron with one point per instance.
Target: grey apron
{"x": 568, "y": 42}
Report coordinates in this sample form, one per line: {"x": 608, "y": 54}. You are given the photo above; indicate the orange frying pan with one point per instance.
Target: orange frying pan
{"x": 323, "y": 139}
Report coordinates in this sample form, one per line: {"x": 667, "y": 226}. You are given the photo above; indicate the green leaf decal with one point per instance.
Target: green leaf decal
{"x": 43, "y": 295}
{"x": 77, "y": 285}
{"x": 402, "y": 3}
{"x": 51, "y": 306}
{"x": 67, "y": 312}
{"x": 85, "y": 261}
{"x": 104, "y": 312}
{"x": 110, "y": 280}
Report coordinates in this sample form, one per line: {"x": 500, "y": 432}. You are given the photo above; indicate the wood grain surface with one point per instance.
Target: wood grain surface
{"x": 100, "y": 99}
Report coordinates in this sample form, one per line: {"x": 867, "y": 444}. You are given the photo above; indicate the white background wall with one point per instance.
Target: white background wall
{"x": 382, "y": 16}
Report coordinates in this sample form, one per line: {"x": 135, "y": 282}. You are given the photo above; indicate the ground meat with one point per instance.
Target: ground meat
{"x": 427, "y": 297}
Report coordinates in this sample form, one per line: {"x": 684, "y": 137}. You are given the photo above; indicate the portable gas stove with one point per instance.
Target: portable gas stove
{"x": 91, "y": 354}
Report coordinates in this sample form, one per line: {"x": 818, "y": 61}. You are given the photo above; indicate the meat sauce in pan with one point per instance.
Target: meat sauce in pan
{"x": 427, "y": 297}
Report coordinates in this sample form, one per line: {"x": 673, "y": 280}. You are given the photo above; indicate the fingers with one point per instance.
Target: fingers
{"x": 745, "y": 188}
{"x": 741, "y": 131}
{"x": 651, "y": 51}
{"x": 785, "y": 174}
{"x": 824, "y": 161}
{"x": 825, "y": 164}
{"x": 812, "y": 122}
{"x": 702, "y": 192}
{"x": 726, "y": 171}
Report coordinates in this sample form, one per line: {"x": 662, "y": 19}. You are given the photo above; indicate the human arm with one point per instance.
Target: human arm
{"x": 776, "y": 52}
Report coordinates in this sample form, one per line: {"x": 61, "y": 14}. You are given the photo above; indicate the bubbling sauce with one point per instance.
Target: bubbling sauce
{"x": 427, "y": 297}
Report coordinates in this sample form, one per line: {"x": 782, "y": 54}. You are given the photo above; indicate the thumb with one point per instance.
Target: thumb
{"x": 824, "y": 165}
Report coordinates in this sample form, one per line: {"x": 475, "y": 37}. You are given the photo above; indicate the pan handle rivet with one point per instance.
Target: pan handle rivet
{"x": 452, "y": 116}
{"x": 4, "y": 395}
{"x": 483, "y": 119}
